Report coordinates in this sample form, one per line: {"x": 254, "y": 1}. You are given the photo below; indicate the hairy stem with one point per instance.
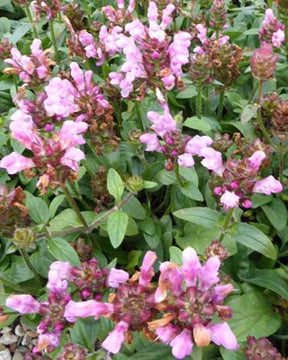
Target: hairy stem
{"x": 30, "y": 18}
{"x": 199, "y": 103}
{"x": 29, "y": 264}
{"x": 220, "y": 107}
{"x": 53, "y": 39}
{"x": 74, "y": 206}
{"x": 226, "y": 224}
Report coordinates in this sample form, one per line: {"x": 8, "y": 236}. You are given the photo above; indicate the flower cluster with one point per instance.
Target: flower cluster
{"x": 121, "y": 15}
{"x": 178, "y": 312}
{"x": 13, "y": 212}
{"x": 263, "y": 62}
{"x": 215, "y": 59}
{"x": 168, "y": 140}
{"x": 49, "y": 8}
{"x": 272, "y": 31}
{"x": 261, "y": 349}
{"x": 152, "y": 58}
{"x": 240, "y": 178}
{"x": 34, "y": 69}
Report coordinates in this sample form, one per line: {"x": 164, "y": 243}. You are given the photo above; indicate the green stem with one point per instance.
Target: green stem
{"x": 74, "y": 206}
{"x": 53, "y": 39}
{"x": 259, "y": 117}
{"x": 15, "y": 82}
{"x": 199, "y": 103}
{"x": 87, "y": 12}
{"x": 281, "y": 162}
{"x": 89, "y": 228}
{"x": 269, "y": 3}
{"x": 138, "y": 113}
{"x": 178, "y": 176}
{"x": 226, "y": 223}
{"x": 29, "y": 264}
{"x": 30, "y": 18}
{"x": 221, "y": 102}
{"x": 253, "y": 92}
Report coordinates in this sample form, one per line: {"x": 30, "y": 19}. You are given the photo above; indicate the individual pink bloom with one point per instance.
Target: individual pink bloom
{"x": 69, "y": 133}
{"x": 212, "y": 160}
{"x": 131, "y": 6}
{"x": 268, "y": 186}
{"x": 152, "y": 142}
{"x": 179, "y": 52}
{"x": 269, "y": 17}
{"x": 71, "y": 158}
{"x": 263, "y": 62}
{"x": 60, "y": 98}
{"x": 147, "y": 272}
{"x": 162, "y": 124}
{"x": 116, "y": 338}
{"x": 168, "y": 81}
{"x": 182, "y": 344}
{"x": 48, "y": 341}
{"x": 24, "y": 304}
{"x": 74, "y": 310}
{"x": 202, "y": 33}
{"x": 247, "y": 204}
{"x": 166, "y": 16}
{"x": 278, "y": 38}
{"x": 197, "y": 144}
{"x": 222, "y": 335}
{"x": 86, "y": 38}
{"x": 208, "y": 275}
{"x": 120, "y": 4}
{"x": 136, "y": 29}
{"x": 229, "y": 200}
{"x": 115, "y": 78}
{"x": 166, "y": 333}
{"x": 191, "y": 266}
{"x": 58, "y": 275}
{"x": 78, "y": 75}
{"x": 221, "y": 291}
{"x": 15, "y": 163}
{"x": 186, "y": 160}
{"x": 116, "y": 277}
{"x": 201, "y": 335}
{"x": 42, "y": 71}
{"x": 256, "y": 159}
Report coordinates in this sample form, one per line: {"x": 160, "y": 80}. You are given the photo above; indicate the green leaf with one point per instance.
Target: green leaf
{"x": 175, "y": 255}
{"x": 116, "y": 227}
{"x": 4, "y": 26}
{"x": 135, "y": 209}
{"x": 253, "y": 315}
{"x": 66, "y": 219}
{"x": 63, "y": 251}
{"x": 38, "y": 209}
{"x": 232, "y": 355}
{"x": 55, "y": 203}
{"x": 188, "y": 93}
{"x": 149, "y": 184}
{"x": 254, "y": 239}
{"x": 197, "y": 124}
{"x": 166, "y": 177}
{"x": 19, "y": 32}
{"x": 267, "y": 279}
{"x": 260, "y": 199}
{"x": 191, "y": 191}
{"x": 18, "y": 271}
{"x": 84, "y": 332}
{"x": 115, "y": 185}
{"x": 149, "y": 231}
{"x": 199, "y": 215}
{"x": 276, "y": 213}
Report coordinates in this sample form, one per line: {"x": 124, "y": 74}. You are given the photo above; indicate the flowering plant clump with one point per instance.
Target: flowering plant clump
{"x": 143, "y": 179}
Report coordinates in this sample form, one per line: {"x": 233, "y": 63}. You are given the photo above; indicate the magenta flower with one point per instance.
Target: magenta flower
{"x": 24, "y": 304}
{"x": 212, "y": 160}
{"x": 186, "y": 160}
{"x": 197, "y": 299}
{"x": 14, "y": 163}
{"x": 152, "y": 142}
{"x": 230, "y": 200}
{"x": 116, "y": 277}
{"x": 268, "y": 186}
{"x": 197, "y": 144}
{"x": 116, "y": 338}
{"x": 272, "y": 30}
{"x": 256, "y": 159}
{"x": 74, "y": 310}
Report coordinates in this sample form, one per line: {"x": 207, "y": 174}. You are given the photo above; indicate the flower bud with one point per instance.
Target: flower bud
{"x": 135, "y": 183}
{"x": 24, "y": 237}
{"x": 263, "y": 62}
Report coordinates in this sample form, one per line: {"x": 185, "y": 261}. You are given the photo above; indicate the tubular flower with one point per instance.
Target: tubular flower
{"x": 263, "y": 62}
{"x": 197, "y": 298}
{"x": 272, "y": 30}
{"x": 150, "y": 55}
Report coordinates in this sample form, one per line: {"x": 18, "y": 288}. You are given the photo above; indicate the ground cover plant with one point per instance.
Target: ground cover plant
{"x": 143, "y": 178}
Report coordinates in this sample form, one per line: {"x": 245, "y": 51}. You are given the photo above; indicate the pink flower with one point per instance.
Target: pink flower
{"x": 116, "y": 277}
{"x": 69, "y": 133}
{"x": 278, "y": 38}
{"x": 58, "y": 275}
{"x": 48, "y": 341}
{"x": 24, "y": 304}
{"x": 74, "y": 310}
{"x": 179, "y": 52}
{"x": 212, "y": 160}
{"x": 152, "y": 142}
{"x": 168, "y": 81}
{"x": 202, "y": 33}
{"x": 221, "y": 334}
{"x": 247, "y": 204}
{"x": 182, "y": 344}
{"x": 147, "y": 272}
{"x": 162, "y": 124}
{"x": 256, "y": 159}
{"x": 197, "y": 144}
{"x": 116, "y": 338}
{"x": 71, "y": 158}
{"x": 230, "y": 200}
{"x": 15, "y": 163}
{"x": 268, "y": 186}
{"x": 166, "y": 333}
{"x": 186, "y": 160}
